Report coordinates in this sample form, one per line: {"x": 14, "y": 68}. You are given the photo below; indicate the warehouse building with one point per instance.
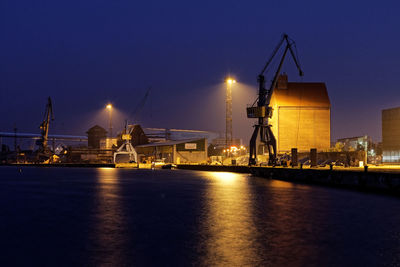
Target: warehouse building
{"x": 165, "y": 134}
{"x": 177, "y": 152}
{"x": 301, "y": 116}
{"x": 391, "y": 135}
{"x": 95, "y": 135}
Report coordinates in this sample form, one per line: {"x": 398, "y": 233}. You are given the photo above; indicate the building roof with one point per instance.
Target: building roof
{"x": 98, "y": 129}
{"x": 170, "y": 143}
{"x": 51, "y": 136}
{"x": 353, "y": 138}
{"x": 301, "y": 95}
{"x": 391, "y": 109}
{"x": 177, "y": 134}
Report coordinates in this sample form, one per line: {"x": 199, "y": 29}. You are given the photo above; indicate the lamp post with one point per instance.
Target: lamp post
{"x": 228, "y": 123}
{"x": 109, "y": 107}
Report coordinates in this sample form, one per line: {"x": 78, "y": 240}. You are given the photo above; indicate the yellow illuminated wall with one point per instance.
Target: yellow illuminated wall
{"x": 391, "y": 135}
{"x": 302, "y": 128}
{"x": 301, "y": 117}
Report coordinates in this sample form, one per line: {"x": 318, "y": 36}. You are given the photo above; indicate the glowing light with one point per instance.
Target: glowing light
{"x": 224, "y": 177}
{"x": 109, "y": 107}
{"x": 230, "y": 81}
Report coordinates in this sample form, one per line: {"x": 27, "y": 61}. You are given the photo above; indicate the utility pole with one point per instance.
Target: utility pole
{"x": 365, "y": 150}
{"x": 15, "y": 138}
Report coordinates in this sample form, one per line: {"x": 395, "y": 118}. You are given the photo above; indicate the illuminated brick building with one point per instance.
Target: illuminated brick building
{"x": 391, "y": 135}
{"x": 301, "y": 116}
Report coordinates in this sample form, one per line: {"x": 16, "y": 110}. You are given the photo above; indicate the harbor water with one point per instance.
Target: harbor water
{"x": 125, "y": 217}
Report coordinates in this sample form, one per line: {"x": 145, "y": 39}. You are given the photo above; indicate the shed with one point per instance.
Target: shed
{"x": 182, "y": 151}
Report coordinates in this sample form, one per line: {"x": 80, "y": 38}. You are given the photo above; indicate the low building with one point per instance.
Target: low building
{"x": 177, "y": 152}
{"x": 138, "y": 136}
{"x": 355, "y": 143}
{"x": 220, "y": 143}
{"x": 391, "y": 135}
{"x": 87, "y": 155}
{"x": 108, "y": 143}
{"x": 165, "y": 134}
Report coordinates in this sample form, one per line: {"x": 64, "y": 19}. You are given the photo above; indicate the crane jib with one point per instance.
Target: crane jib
{"x": 263, "y": 111}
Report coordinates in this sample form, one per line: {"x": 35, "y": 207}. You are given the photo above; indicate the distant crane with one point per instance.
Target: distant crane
{"x": 126, "y": 148}
{"x": 135, "y": 113}
{"x": 263, "y": 111}
{"x": 44, "y": 150}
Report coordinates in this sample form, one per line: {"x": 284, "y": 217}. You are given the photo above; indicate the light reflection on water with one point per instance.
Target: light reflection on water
{"x": 227, "y": 226}
{"x": 109, "y": 223}
{"x": 237, "y": 218}
{"x": 113, "y": 217}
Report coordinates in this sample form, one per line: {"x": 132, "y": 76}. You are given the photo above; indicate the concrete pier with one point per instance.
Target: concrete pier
{"x": 215, "y": 168}
{"x": 364, "y": 179}
{"x": 74, "y": 165}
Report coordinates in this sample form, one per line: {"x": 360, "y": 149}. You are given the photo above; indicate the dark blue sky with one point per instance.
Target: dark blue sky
{"x": 86, "y": 53}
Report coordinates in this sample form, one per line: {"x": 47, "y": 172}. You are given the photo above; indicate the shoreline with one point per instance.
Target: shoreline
{"x": 375, "y": 179}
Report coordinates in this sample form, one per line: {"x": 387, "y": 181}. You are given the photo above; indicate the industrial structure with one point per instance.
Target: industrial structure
{"x": 109, "y": 107}
{"x": 44, "y": 152}
{"x": 228, "y": 113}
{"x": 219, "y": 143}
{"x": 391, "y": 135}
{"x": 301, "y": 116}
{"x": 165, "y": 134}
{"x": 355, "y": 143}
{"x": 95, "y": 135}
{"x": 262, "y": 111}
{"x": 177, "y": 152}
{"x": 126, "y": 153}
{"x": 136, "y": 145}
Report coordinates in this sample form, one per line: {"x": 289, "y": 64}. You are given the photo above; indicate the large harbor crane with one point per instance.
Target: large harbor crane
{"x": 262, "y": 111}
{"x": 126, "y": 148}
{"x": 44, "y": 131}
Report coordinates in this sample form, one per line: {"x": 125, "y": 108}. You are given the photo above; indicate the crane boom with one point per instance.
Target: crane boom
{"x": 263, "y": 111}
{"x": 136, "y": 112}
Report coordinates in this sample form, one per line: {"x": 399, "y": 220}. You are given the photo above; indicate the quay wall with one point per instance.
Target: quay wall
{"x": 358, "y": 179}
{"x": 215, "y": 168}
{"x": 75, "y": 165}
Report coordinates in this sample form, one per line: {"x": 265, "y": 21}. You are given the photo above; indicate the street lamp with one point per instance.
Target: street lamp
{"x": 109, "y": 107}
{"x": 228, "y": 123}
{"x": 230, "y": 81}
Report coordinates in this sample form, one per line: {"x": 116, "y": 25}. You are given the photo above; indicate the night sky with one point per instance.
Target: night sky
{"x": 86, "y": 53}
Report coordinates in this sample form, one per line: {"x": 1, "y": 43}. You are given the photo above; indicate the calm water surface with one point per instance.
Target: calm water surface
{"x": 116, "y": 217}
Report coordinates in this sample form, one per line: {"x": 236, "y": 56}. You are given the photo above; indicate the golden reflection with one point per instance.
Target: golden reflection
{"x": 109, "y": 222}
{"x": 282, "y": 184}
{"x": 229, "y": 227}
{"x": 294, "y": 214}
{"x": 224, "y": 177}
